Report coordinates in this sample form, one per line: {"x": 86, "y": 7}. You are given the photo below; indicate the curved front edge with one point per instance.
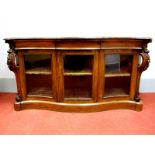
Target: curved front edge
{"x": 142, "y": 67}
{"x": 81, "y": 107}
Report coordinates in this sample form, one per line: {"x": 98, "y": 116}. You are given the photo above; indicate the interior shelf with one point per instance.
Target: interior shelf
{"x": 77, "y": 72}
{"x": 38, "y": 64}
{"x": 123, "y": 74}
{"x": 40, "y": 91}
{"x": 39, "y": 70}
{"x": 115, "y": 92}
{"x": 78, "y": 65}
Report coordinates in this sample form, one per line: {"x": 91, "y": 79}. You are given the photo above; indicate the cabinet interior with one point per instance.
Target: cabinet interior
{"x": 118, "y": 70}
{"x": 78, "y": 75}
{"x": 38, "y": 70}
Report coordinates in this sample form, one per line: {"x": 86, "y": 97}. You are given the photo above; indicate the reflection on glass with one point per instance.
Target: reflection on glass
{"x": 140, "y": 60}
{"x": 118, "y": 63}
{"x": 118, "y": 68}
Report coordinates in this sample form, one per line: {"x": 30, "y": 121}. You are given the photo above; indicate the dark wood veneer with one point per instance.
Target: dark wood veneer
{"x": 74, "y": 77}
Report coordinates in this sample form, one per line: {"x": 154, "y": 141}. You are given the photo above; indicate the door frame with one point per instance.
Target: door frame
{"x": 60, "y": 75}
{"x": 22, "y": 74}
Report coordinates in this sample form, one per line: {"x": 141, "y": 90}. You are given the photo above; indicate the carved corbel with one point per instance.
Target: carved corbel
{"x": 145, "y": 60}
{"x": 142, "y": 67}
{"x": 11, "y": 62}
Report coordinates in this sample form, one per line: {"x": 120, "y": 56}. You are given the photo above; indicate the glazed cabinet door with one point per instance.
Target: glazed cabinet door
{"x": 118, "y": 74}
{"x": 38, "y": 73}
{"x": 78, "y": 76}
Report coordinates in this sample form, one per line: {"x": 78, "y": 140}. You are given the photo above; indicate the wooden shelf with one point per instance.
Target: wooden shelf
{"x": 77, "y": 72}
{"x": 77, "y": 93}
{"x": 123, "y": 74}
{"x": 39, "y": 70}
{"x": 115, "y": 92}
{"x": 40, "y": 91}
{"x": 124, "y": 71}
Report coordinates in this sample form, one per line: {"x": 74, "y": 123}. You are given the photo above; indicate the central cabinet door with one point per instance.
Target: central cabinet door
{"x": 79, "y": 80}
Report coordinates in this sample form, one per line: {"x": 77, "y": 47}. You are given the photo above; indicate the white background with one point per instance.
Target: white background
{"x": 80, "y": 18}
{"x": 77, "y": 145}
{"x": 76, "y": 18}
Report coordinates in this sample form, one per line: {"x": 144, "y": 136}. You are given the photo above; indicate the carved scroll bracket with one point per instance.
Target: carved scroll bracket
{"x": 145, "y": 60}
{"x": 142, "y": 67}
{"x": 11, "y": 60}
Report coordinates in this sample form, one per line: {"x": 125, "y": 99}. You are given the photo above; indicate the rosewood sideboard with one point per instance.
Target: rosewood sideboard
{"x": 78, "y": 74}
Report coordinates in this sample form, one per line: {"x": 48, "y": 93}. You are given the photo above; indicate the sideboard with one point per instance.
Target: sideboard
{"x": 78, "y": 74}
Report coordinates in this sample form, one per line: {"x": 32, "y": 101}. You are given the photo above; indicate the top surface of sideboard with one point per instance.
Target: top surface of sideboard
{"x": 82, "y": 38}
{"x": 77, "y": 43}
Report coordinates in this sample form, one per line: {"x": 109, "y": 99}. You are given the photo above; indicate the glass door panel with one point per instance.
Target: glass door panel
{"x": 38, "y": 70}
{"x": 78, "y": 76}
{"x": 118, "y": 69}
{"x": 117, "y": 64}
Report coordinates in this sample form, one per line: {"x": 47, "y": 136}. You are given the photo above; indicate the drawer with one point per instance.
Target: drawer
{"x": 36, "y": 43}
{"x": 121, "y": 43}
{"x": 77, "y": 44}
